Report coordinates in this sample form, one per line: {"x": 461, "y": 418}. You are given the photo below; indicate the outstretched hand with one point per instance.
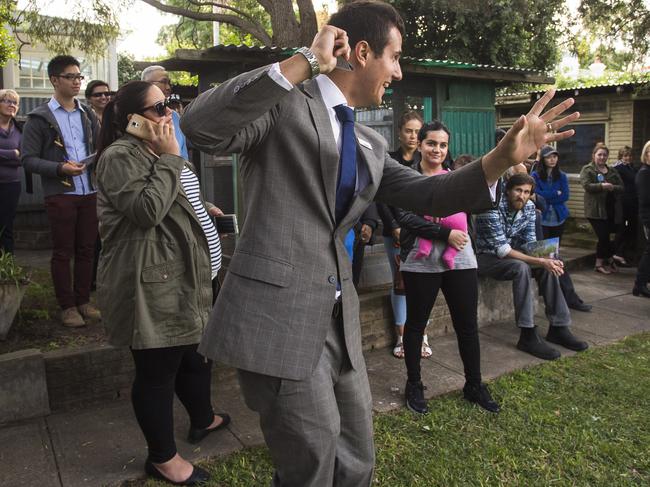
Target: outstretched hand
{"x": 528, "y": 134}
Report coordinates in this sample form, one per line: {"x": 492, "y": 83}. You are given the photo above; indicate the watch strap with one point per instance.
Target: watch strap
{"x": 311, "y": 59}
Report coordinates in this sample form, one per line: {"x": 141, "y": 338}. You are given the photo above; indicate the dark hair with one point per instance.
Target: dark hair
{"x": 58, "y": 63}
{"x": 462, "y": 160}
{"x": 368, "y": 20}
{"x": 625, "y": 151}
{"x": 498, "y": 135}
{"x": 94, "y": 84}
{"x": 432, "y": 126}
{"x": 130, "y": 98}
{"x": 407, "y": 117}
{"x": 542, "y": 170}
{"x": 520, "y": 179}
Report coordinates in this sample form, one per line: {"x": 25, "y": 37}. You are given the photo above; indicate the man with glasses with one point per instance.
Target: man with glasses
{"x": 159, "y": 77}
{"x": 58, "y": 142}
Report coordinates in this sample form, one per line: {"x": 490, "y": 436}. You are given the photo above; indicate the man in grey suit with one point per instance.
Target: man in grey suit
{"x": 287, "y": 316}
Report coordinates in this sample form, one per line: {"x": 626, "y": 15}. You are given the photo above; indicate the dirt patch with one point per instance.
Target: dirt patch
{"x": 38, "y": 326}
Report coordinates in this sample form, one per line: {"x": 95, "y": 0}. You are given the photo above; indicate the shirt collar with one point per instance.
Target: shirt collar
{"x": 54, "y": 104}
{"x": 332, "y": 95}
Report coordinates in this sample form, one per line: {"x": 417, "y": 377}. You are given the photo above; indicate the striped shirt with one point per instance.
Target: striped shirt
{"x": 500, "y": 230}
{"x": 190, "y": 184}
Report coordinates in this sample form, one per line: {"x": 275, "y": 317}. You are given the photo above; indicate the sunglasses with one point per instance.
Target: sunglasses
{"x": 160, "y": 108}
{"x": 107, "y": 94}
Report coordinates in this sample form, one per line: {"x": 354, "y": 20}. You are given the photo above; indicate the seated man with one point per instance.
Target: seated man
{"x": 500, "y": 232}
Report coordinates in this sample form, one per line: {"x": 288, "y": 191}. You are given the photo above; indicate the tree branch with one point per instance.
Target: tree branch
{"x": 253, "y": 28}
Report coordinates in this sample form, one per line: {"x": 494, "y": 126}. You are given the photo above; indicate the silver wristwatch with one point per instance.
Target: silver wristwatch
{"x": 311, "y": 59}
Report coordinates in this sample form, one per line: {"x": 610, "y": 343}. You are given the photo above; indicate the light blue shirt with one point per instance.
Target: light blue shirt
{"x": 74, "y": 141}
{"x": 180, "y": 137}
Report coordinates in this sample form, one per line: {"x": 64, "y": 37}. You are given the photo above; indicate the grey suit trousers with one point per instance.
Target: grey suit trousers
{"x": 520, "y": 273}
{"x": 318, "y": 430}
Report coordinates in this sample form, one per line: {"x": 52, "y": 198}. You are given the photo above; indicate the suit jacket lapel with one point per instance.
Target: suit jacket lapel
{"x": 328, "y": 150}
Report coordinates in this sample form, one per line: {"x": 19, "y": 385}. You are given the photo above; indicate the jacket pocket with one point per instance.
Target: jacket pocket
{"x": 261, "y": 268}
{"x": 164, "y": 272}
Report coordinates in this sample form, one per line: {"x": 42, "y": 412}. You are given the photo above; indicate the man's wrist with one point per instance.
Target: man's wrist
{"x": 311, "y": 58}
{"x": 59, "y": 169}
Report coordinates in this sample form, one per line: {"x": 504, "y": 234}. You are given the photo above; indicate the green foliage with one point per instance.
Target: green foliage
{"x": 621, "y": 27}
{"x": 7, "y": 44}
{"x": 521, "y": 33}
{"x": 92, "y": 26}
{"x": 10, "y": 272}
{"x": 126, "y": 70}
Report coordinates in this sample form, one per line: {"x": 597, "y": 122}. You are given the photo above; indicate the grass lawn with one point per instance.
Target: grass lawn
{"x": 579, "y": 421}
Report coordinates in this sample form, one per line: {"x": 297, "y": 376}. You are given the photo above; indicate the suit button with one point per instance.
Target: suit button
{"x": 331, "y": 279}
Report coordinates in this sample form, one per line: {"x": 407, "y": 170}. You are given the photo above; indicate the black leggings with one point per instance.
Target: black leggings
{"x": 602, "y": 229}
{"x": 159, "y": 372}
{"x": 460, "y": 288}
{"x": 552, "y": 232}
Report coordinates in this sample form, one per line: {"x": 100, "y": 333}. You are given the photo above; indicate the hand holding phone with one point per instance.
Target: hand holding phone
{"x": 160, "y": 137}
{"x": 226, "y": 224}
{"x": 71, "y": 168}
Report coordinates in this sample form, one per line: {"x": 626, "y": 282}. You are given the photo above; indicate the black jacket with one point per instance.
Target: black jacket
{"x": 630, "y": 200}
{"x": 387, "y": 213}
{"x": 643, "y": 191}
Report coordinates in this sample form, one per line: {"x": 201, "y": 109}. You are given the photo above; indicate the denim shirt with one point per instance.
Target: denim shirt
{"x": 499, "y": 231}
{"x": 72, "y": 130}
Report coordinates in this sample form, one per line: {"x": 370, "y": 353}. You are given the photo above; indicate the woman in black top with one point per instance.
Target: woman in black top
{"x": 643, "y": 191}
{"x": 407, "y": 154}
{"x": 626, "y": 231}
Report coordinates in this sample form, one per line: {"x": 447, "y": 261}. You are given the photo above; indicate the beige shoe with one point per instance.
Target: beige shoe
{"x": 71, "y": 318}
{"x": 89, "y": 312}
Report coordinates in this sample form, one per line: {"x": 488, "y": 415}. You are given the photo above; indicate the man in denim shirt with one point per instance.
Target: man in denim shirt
{"x": 58, "y": 140}
{"x": 500, "y": 233}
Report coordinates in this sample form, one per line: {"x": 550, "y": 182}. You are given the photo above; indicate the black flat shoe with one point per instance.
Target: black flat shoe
{"x": 197, "y": 434}
{"x": 531, "y": 343}
{"x": 561, "y": 335}
{"x": 198, "y": 476}
{"x": 641, "y": 291}
{"x": 581, "y": 307}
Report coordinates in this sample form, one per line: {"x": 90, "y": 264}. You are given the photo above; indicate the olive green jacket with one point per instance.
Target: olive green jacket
{"x": 154, "y": 283}
{"x": 596, "y": 197}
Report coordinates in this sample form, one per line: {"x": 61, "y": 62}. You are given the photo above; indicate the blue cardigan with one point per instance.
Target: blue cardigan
{"x": 549, "y": 190}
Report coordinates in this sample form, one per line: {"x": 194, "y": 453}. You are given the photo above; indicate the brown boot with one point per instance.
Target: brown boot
{"x": 89, "y": 312}
{"x": 71, "y": 318}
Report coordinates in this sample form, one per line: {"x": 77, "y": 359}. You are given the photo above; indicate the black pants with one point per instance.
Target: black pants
{"x": 159, "y": 373}
{"x": 602, "y": 229}
{"x": 643, "y": 272}
{"x": 625, "y": 239}
{"x": 552, "y": 232}
{"x": 460, "y": 288}
{"x": 9, "y": 195}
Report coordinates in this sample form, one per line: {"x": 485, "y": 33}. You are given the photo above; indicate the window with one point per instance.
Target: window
{"x": 575, "y": 151}
{"x": 33, "y": 73}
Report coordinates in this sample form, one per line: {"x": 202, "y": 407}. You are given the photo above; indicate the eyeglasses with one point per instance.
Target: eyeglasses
{"x": 12, "y": 103}
{"x": 160, "y": 108}
{"x": 163, "y": 81}
{"x": 107, "y": 94}
{"x": 71, "y": 77}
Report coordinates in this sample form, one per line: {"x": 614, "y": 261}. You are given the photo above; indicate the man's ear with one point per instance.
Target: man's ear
{"x": 362, "y": 52}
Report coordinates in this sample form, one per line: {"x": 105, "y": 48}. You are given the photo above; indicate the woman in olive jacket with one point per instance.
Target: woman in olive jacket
{"x": 603, "y": 187}
{"x": 160, "y": 254}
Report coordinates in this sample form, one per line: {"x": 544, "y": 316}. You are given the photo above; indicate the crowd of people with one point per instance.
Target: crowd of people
{"x": 287, "y": 314}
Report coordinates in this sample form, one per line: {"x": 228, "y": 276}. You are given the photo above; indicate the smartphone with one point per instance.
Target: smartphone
{"x": 226, "y": 224}
{"x": 137, "y": 126}
{"x": 343, "y": 64}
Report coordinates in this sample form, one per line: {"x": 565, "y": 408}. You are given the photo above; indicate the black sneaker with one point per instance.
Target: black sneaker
{"x": 561, "y": 335}
{"x": 531, "y": 343}
{"x": 479, "y": 394}
{"x": 584, "y": 307}
{"x": 415, "y": 402}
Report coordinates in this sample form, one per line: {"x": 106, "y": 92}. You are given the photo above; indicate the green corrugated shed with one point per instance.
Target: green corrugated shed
{"x": 467, "y": 108}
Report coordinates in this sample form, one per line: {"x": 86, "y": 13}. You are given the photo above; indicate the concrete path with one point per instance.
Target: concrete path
{"x": 103, "y": 445}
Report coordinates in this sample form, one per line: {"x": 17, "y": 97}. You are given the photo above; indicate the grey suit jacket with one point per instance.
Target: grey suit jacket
{"x": 275, "y": 306}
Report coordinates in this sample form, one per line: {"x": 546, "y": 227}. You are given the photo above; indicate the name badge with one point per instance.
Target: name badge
{"x": 365, "y": 143}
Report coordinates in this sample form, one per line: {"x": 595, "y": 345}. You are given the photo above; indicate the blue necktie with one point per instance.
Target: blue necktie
{"x": 347, "y": 177}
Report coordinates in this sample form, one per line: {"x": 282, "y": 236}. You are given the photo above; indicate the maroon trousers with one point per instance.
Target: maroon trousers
{"x": 73, "y": 222}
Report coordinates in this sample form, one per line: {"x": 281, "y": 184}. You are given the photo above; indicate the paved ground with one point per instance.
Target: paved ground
{"x": 103, "y": 445}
